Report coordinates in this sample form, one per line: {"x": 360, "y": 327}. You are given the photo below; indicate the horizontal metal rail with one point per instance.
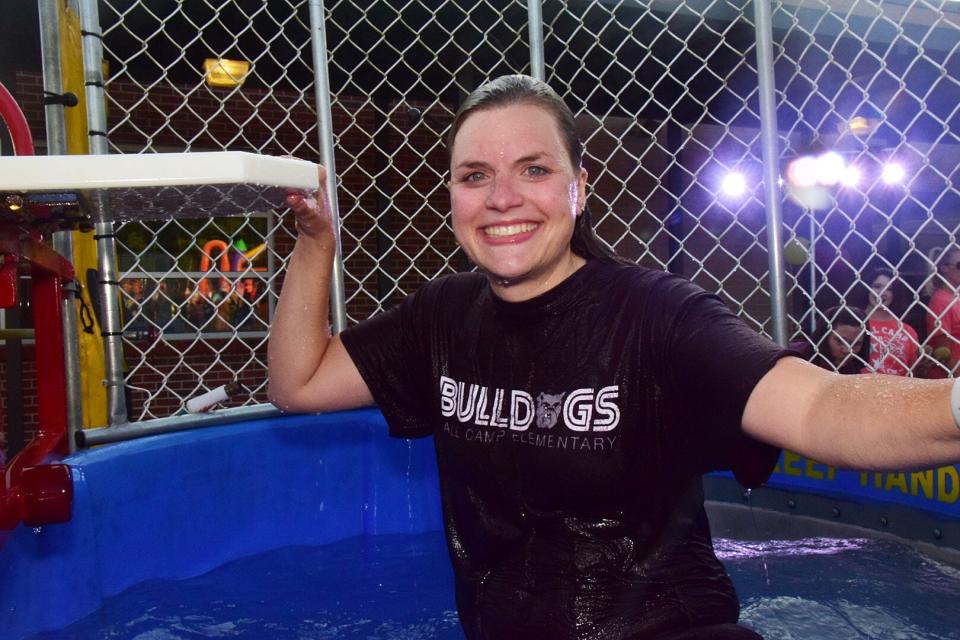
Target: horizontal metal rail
{"x": 183, "y": 422}
{"x": 17, "y": 334}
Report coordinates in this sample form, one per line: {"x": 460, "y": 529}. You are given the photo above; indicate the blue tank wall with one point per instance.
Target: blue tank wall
{"x": 177, "y": 505}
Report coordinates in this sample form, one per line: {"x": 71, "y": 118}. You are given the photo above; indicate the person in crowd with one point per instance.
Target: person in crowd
{"x": 132, "y": 301}
{"x": 574, "y": 400}
{"x": 159, "y": 309}
{"x": 894, "y": 344}
{"x": 943, "y": 317}
{"x": 841, "y": 342}
{"x": 198, "y": 310}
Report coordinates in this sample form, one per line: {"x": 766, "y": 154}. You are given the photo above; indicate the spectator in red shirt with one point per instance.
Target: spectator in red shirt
{"x": 894, "y": 344}
{"x": 943, "y": 318}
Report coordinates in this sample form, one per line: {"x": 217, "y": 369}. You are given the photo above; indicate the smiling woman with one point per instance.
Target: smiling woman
{"x": 575, "y": 401}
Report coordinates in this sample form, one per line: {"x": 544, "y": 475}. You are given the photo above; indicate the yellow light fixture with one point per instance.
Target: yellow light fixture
{"x": 860, "y": 125}
{"x": 13, "y": 202}
{"x": 222, "y": 72}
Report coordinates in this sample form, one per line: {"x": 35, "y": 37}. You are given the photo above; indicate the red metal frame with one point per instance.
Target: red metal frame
{"x": 32, "y": 494}
{"x": 31, "y": 491}
{"x": 16, "y": 124}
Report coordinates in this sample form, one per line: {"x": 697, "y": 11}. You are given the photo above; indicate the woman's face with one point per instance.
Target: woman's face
{"x": 844, "y": 340}
{"x": 515, "y": 199}
{"x": 882, "y": 293}
{"x": 949, "y": 270}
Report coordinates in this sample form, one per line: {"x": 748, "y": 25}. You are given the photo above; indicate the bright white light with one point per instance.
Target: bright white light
{"x": 830, "y": 167}
{"x": 734, "y": 184}
{"x": 802, "y": 172}
{"x": 850, "y": 176}
{"x": 893, "y": 173}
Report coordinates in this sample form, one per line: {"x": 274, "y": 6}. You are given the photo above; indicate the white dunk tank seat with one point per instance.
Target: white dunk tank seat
{"x": 149, "y": 186}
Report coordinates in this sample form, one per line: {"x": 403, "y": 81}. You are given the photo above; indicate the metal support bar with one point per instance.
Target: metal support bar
{"x": 17, "y": 334}
{"x": 40, "y": 255}
{"x": 771, "y": 167}
{"x": 133, "y": 430}
{"x": 321, "y": 84}
{"x": 535, "y": 29}
{"x": 62, "y": 240}
{"x": 47, "y": 301}
{"x": 106, "y": 249}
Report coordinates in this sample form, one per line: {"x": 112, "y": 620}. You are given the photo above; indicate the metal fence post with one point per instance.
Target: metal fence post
{"x": 321, "y": 84}
{"x": 103, "y": 228}
{"x": 535, "y": 27}
{"x": 62, "y": 240}
{"x": 771, "y": 167}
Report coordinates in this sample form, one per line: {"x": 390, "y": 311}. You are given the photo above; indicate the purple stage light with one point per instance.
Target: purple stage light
{"x": 734, "y": 184}
{"x": 829, "y": 167}
{"x": 850, "y": 176}
{"x": 802, "y": 172}
{"x": 893, "y": 173}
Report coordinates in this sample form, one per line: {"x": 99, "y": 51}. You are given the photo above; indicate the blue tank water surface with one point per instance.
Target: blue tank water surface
{"x": 399, "y": 588}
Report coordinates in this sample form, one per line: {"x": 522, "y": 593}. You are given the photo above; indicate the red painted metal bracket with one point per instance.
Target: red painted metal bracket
{"x": 31, "y": 491}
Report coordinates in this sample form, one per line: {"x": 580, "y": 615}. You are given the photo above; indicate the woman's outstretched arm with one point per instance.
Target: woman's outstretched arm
{"x": 310, "y": 370}
{"x": 870, "y": 421}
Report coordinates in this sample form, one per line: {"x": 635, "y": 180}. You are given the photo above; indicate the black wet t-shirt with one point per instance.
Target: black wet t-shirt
{"x": 571, "y": 433}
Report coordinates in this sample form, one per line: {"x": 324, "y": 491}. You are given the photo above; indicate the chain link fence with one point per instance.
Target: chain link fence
{"x": 667, "y": 101}
{"x": 875, "y": 84}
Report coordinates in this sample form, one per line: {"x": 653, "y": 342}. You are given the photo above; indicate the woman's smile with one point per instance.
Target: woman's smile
{"x": 509, "y": 232}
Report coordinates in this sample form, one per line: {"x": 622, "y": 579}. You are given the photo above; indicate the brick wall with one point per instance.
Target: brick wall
{"x": 25, "y": 387}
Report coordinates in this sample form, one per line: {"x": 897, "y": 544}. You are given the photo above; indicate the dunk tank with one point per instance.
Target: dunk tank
{"x": 249, "y": 523}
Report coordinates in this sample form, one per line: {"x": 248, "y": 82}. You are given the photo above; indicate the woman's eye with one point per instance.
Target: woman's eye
{"x": 476, "y": 176}
{"x": 537, "y": 171}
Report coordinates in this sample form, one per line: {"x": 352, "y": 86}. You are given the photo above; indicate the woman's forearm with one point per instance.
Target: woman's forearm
{"x": 300, "y": 330}
{"x": 881, "y": 422}
{"x": 866, "y": 421}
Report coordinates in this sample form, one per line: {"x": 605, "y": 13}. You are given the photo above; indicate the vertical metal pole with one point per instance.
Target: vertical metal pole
{"x": 52, "y": 77}
{"x": 771, "y": 161}
{"x": 535, "y": 27}
{"x": 321, "y": 83}
{"x": 62, "y": 240}
{"x": 103, "y": 227}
